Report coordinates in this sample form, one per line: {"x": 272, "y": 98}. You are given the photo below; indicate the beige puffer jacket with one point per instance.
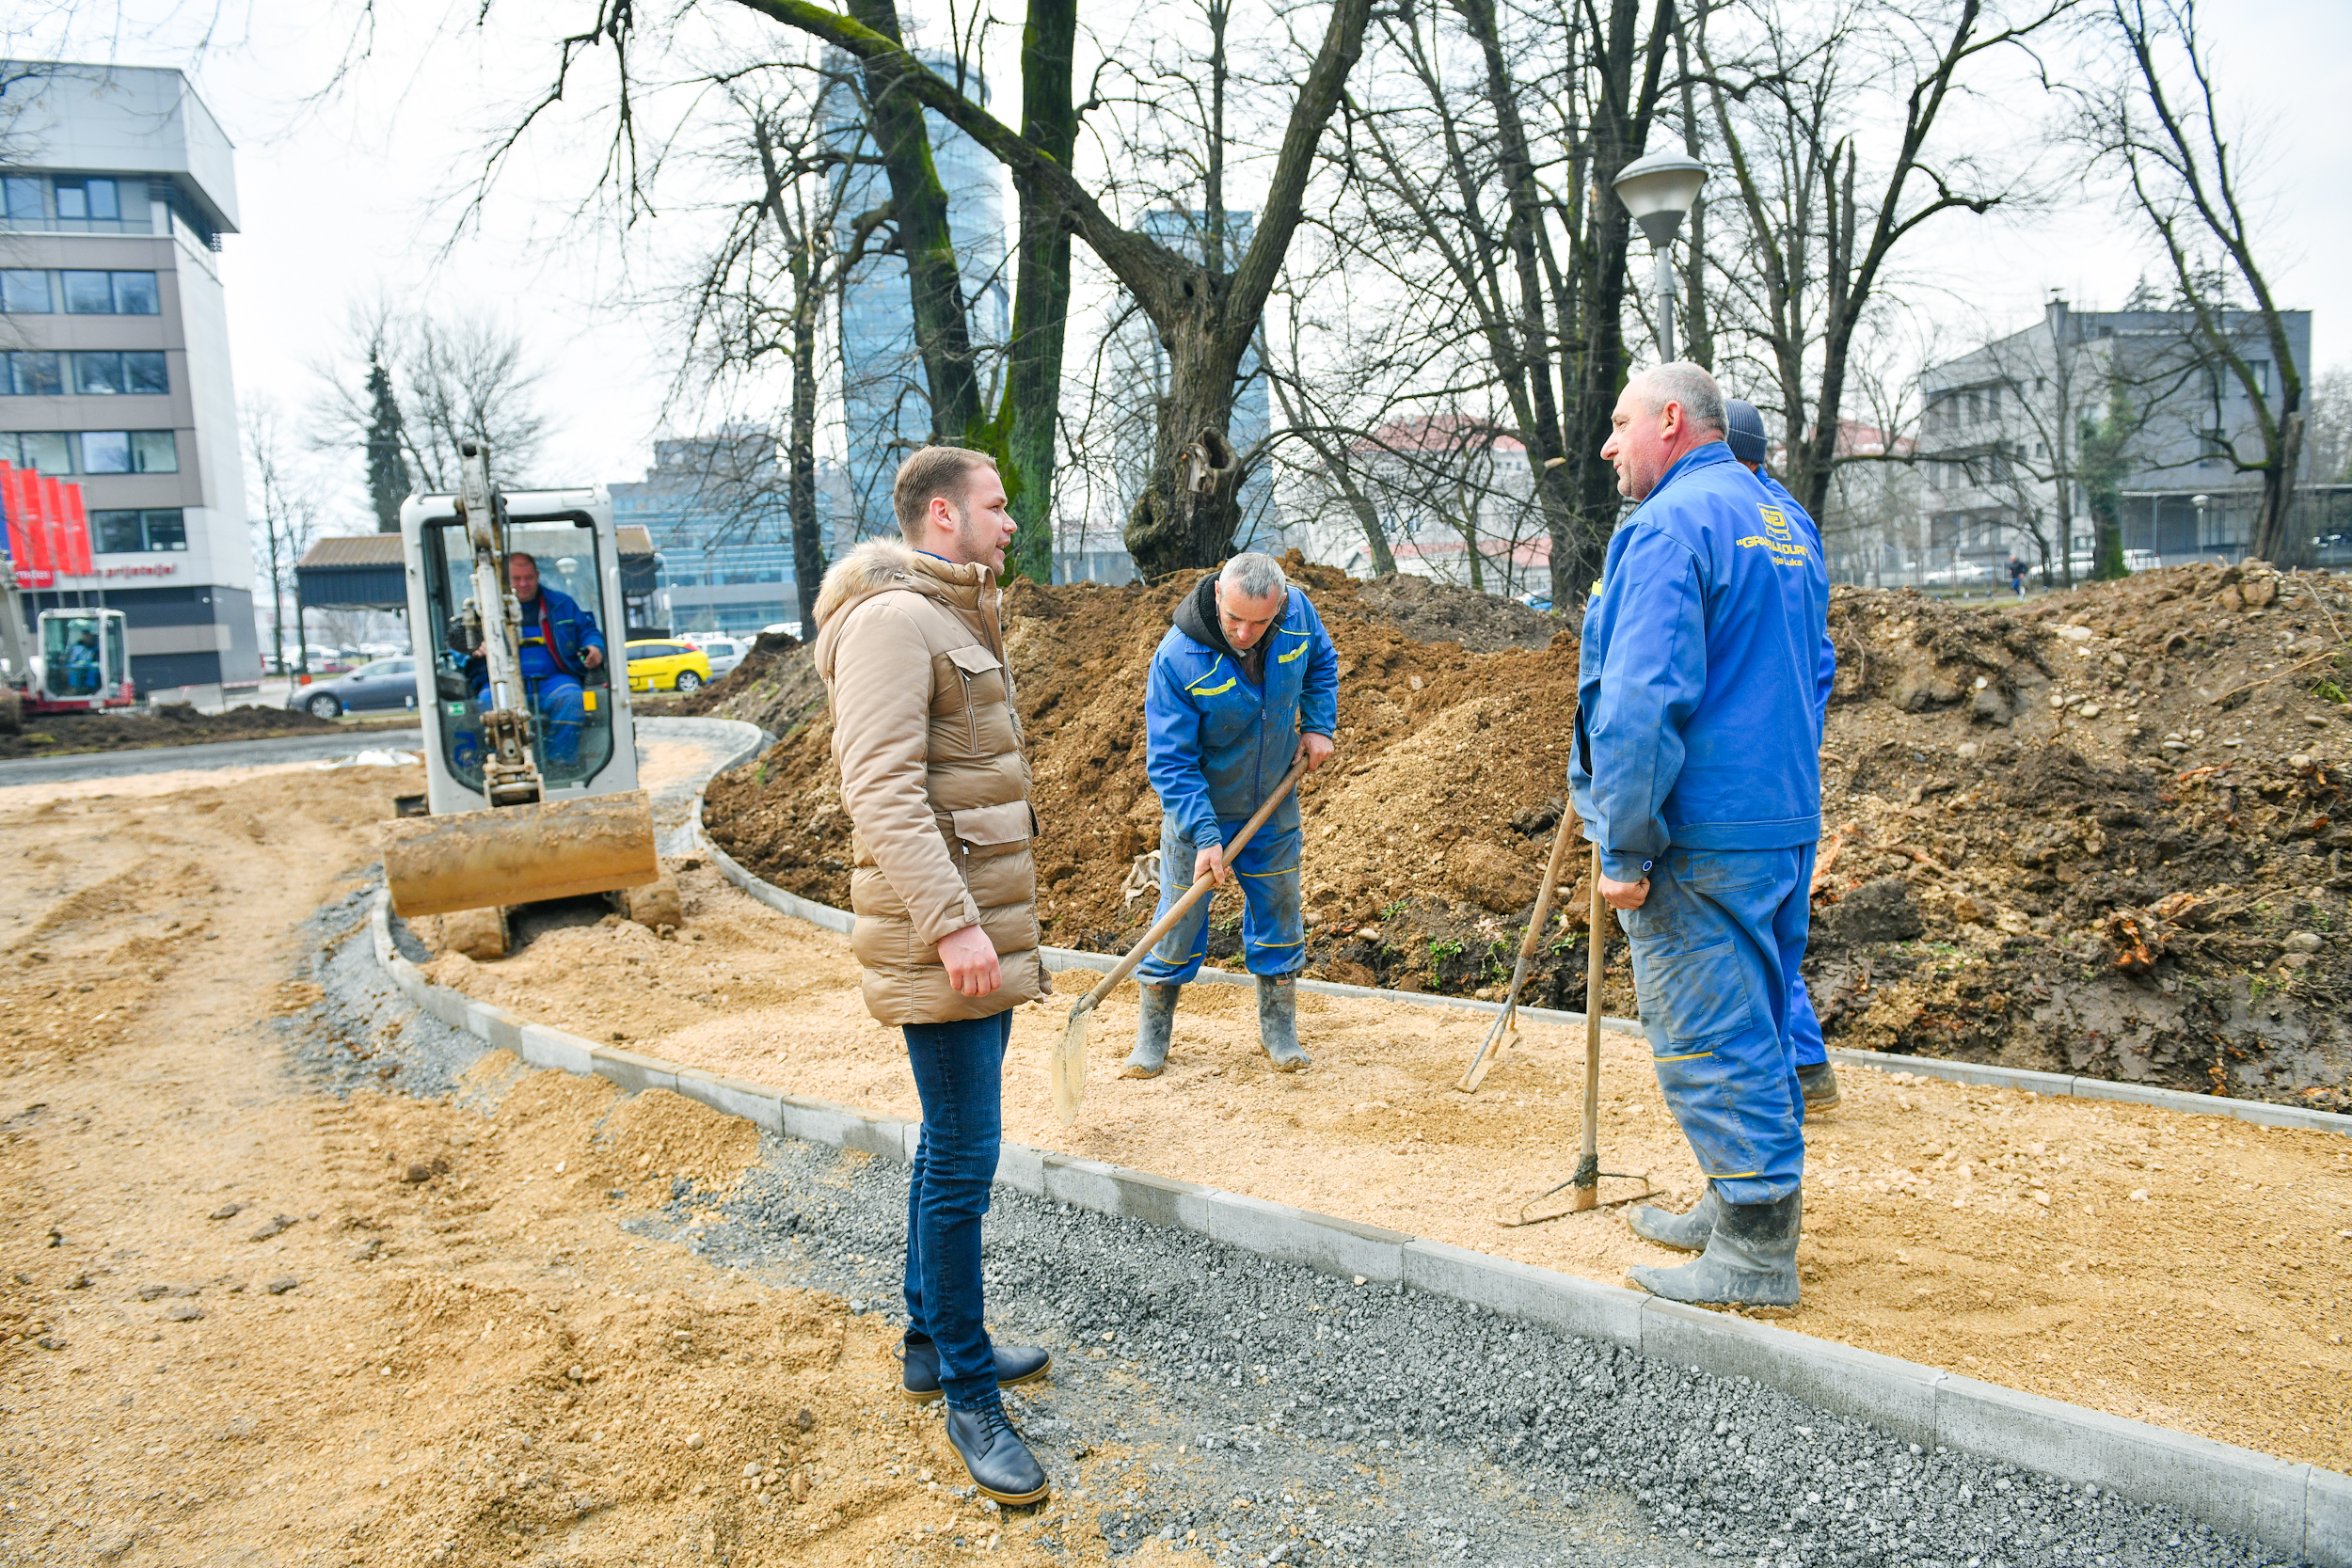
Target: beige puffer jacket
{"x": 913, "y": 655}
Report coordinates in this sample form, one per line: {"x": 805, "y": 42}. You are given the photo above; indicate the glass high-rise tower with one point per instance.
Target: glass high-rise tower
{"x": 885, "y": 402}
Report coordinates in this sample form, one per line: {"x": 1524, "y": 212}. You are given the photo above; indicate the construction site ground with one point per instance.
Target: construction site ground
{"x": 2190, "y": 1271}
{"x": 52, "y": 735}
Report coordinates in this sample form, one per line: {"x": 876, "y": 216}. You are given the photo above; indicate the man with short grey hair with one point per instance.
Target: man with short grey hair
{"x": 1245, "y": 682}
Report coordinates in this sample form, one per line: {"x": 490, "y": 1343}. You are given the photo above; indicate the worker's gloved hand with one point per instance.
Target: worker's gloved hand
{"x": 1625, "y": 896}
{"x": 971, "y": 961}
{"x": 1210, "y": 861}
{"x": 1314, "y": 749}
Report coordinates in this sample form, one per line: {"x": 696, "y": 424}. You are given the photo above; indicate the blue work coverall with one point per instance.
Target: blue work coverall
{"x": 555, "y": 632}
{"x": 1697, "y": 765}
{"x": 1216, "y": 746}
{"x": 1804, "y": 1024}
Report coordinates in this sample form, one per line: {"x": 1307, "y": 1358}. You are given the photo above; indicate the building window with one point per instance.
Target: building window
{"x": 136, "y": 532}
{"x": 26, "y": 293}
{"x": 109, "y": 294}
{"x": 2260, "y": 370}
{"x": 34, "y": 375}
{"x": 104, "y": 373}
{"x": 77, "y": 204}
{"x": 93, "y": 451}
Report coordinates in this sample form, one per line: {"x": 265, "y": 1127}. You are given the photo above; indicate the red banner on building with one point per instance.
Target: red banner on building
{"x": 48, "y": 531}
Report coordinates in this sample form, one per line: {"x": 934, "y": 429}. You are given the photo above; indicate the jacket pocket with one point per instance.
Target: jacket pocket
{"x": 994, "y": 829}
{"x": 974, "y": 665}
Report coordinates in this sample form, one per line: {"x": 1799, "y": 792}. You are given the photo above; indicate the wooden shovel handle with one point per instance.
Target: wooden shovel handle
{"x": 1199, "y": 890}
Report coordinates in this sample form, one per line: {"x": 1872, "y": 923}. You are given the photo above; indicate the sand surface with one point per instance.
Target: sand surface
{"x": 2189, "y": 1271}
{"x": 246, "y": 1322}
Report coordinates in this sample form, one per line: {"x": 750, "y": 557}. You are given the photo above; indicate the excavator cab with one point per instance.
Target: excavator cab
{"x": 83, "y": 664}
{"x": 531, "y": 760}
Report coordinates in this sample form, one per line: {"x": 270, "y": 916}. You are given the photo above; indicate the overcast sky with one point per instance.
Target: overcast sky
{"x": 350, "y": 191}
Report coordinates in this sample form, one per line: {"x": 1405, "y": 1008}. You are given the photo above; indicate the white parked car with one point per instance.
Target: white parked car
{"x": 724, "y": 653}
{"x": 789, "y": 628}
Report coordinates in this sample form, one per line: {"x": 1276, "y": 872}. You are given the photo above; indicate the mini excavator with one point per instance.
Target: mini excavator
{"x": 523, "y": 802}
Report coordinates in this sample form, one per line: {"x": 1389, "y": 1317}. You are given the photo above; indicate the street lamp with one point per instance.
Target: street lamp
{"x": 1658, "y": 189}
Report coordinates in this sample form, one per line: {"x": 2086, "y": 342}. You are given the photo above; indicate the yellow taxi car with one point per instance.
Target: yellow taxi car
{"x": 667, "y": 667}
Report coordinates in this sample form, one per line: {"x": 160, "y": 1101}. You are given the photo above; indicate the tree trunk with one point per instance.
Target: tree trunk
{"x": 942, "y": 336}
{"x": 808, "y": 544}
{"x": 1189, "y": 512}
{"x": 2277, "y": 539}
{"x": 1031, "y": 410}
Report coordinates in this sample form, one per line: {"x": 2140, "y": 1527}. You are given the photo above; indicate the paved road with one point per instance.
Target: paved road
{"x": 220, "y": 753}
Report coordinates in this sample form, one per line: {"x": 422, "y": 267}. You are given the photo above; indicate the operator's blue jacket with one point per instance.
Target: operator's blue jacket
{"x": 1214, "y": 745}
{"x": 554, "y": 631}
{"x": 1699, "y": 681}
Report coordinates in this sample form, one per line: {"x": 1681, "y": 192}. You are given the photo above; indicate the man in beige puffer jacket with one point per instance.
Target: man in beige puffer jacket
{"x": 912, "y": 650}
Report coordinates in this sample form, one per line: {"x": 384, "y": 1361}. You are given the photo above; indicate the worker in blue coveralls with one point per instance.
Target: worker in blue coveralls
{"x": 1744, "y": 433}
{"x": 1697, "y": 769}
{"x": 560, "y": 644}
{"x": 1245, "y": 684}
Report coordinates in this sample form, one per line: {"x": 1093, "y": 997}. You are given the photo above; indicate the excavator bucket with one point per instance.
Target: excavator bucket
{"x": 479, "y": 860}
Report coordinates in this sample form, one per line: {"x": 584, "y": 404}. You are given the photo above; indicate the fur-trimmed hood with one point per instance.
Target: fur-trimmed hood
{"x": 879, "y": 565}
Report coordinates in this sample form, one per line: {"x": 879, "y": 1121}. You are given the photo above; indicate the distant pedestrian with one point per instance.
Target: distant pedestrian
{"x": 1697, "y": 767}
{"x": 2017, "y": 577}
{"x": 912, "y": 648}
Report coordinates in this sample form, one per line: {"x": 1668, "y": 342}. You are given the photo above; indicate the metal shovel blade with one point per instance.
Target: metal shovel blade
{"x": 1070, "y": 1063}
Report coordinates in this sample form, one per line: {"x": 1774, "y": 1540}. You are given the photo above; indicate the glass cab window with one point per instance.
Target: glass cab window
{"x": 570, "y": 704}
{"x": 81, "y": 655}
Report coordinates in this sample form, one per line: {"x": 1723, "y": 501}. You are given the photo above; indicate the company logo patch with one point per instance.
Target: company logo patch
{"x": 1777, "y": 537}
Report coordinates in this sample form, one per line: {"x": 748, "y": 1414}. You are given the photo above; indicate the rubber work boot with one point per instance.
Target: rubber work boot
{"x": 1155, "y": 1020}
{"x": 920, "y": 1380}
{"x": 1819, "y": 1084}
{"x": 1000, "y": 1463}
{"x": 1686, "y": 1232}
{"x": 1751, "y": 1260}
{"x": 1278, "y": 1022}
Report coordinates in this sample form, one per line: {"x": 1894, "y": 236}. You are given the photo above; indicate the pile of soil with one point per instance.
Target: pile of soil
{"x": 59, "y": 733}
{"x": 2090, "y": 833}
{"x": 1441, "y": 612}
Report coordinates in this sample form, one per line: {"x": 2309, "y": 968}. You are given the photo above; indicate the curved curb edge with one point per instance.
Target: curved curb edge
{"x": 2290, "y": 1507}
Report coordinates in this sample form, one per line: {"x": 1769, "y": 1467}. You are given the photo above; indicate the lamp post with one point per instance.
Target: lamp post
{"x": 1656, "y": 190}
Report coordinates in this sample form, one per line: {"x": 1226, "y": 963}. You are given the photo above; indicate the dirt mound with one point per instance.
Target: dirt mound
{"x": 1444, "y": 612}
{"x": 58, "y": 733}
{"x": 2092, "y": 832}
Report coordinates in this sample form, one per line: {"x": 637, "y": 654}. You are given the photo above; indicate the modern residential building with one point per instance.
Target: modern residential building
{"x": 715, "y": 509}
{"x": 116, "y": 189}
{"x": 2005, "y": 427}
{"x": 885, "y": 403}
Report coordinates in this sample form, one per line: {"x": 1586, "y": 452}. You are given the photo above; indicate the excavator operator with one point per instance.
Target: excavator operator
{"x": 560, "y": 644}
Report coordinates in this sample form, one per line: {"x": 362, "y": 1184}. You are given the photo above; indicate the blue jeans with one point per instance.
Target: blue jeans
{"x": 959, "y": 1075}
{"x": 1715, "y": 948}
{"x": 562, "y": 708}
{"x": 1273, "y": 927}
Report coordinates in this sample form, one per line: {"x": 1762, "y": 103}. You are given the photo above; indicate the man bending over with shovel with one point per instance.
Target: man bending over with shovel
{"x": 1244, "y": 684}
{"x": 1697, "y": 769}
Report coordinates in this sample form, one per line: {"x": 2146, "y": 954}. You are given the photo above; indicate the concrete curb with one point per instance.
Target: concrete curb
{"x": 2289, "y": 1506}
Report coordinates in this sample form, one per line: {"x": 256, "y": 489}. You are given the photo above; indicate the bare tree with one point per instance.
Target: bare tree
{"x": 1789, "y": 97}
{"x": 450, "y": 380}
{"x": 2160, "y": 123}
{"x": 2328, "y": 430}
{"x": 291, "y": 508}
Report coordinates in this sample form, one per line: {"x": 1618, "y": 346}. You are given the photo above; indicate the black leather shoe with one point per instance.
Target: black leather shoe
{"x": 1000, "y": 1463}
{"x": 1015, "y": 1364}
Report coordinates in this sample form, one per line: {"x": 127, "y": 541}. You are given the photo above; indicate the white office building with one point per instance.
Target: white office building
{"x": 116, "y": 186}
